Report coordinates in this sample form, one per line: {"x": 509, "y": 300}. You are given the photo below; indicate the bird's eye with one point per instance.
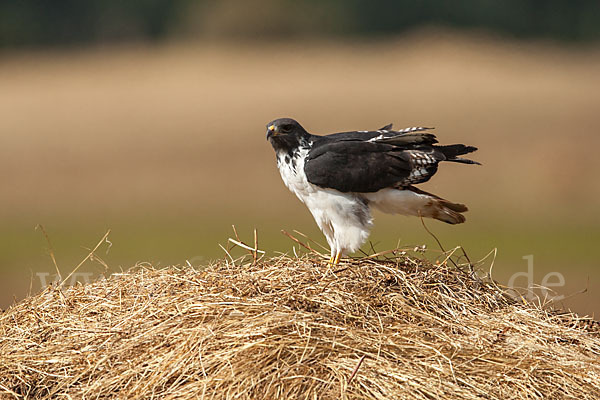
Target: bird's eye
{"x": 286, "y": 128}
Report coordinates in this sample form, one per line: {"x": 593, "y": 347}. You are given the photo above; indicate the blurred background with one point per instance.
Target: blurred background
{"x": 148, "y": 118}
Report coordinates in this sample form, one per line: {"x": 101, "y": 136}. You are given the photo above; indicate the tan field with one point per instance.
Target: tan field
{"x": 166, "y": 147}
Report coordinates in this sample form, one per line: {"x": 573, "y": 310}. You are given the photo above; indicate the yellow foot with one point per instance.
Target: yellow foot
{"x": 338, "y": 256}
{"x": 335, "y": 260}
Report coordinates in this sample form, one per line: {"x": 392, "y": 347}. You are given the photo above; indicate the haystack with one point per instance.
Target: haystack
{"x": 284, "y": 327}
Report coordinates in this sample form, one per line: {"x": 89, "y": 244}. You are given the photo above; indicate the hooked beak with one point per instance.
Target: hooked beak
{"x": 270, "y": 131}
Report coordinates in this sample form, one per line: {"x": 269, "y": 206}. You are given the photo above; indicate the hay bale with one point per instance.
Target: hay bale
{"x": 293, "y": 328}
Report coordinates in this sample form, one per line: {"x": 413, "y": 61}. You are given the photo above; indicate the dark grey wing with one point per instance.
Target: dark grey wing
{"x": 353, "y": 166}
{"x": 409, "y": 139}
{"x": 409, "y": 136}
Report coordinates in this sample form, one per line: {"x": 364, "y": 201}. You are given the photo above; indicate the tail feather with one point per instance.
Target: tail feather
{"x": 463, "y": 161}
{"x": 441, "y": 209}
{"x": 453, "y": 151}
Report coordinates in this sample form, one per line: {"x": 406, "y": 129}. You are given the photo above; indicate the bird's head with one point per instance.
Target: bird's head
{"x": 285, "y": 133}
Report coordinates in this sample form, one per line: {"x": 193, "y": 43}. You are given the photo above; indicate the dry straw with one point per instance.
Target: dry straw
{"x": 371, "y": 328}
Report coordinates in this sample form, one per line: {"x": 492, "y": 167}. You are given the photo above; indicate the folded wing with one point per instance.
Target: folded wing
{"x": 365, "y": 167}
{"x": 351, "y": 165}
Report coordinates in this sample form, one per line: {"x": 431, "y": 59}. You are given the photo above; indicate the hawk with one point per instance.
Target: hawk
{"x": 341, "y": 176}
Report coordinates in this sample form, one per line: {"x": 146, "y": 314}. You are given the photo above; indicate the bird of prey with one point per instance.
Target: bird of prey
{"x": 341, "y": 176}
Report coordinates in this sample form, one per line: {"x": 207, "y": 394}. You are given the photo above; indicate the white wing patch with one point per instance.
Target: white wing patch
{"x": 420, "y": 161}
{"x": 420, "y": 158}
{"x": 414, "y": 129}
{"x": 376, "y": 138}
{"x": 384, "y": 133}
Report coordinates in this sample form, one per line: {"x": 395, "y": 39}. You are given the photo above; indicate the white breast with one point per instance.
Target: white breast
{"x": 292, "y": 173}
{"x": 343, "y": 217}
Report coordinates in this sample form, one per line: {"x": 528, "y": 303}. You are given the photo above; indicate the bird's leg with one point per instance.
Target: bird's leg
{"x": 333, "y": 257}
{"x": 337, "y": 258}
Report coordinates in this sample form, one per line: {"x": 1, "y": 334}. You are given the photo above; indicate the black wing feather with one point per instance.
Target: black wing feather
{"x": 354, "y": 166}
{"x": 364, "y": 167}
{"x": 409, "y": 139}
{"x": 370, "y": 161}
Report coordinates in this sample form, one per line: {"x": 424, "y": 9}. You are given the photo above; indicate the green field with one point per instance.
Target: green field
{"x": 165, "y": 146}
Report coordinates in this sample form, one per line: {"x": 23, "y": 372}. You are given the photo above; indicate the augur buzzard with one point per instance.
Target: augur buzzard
{"x": 341, "y": 176}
